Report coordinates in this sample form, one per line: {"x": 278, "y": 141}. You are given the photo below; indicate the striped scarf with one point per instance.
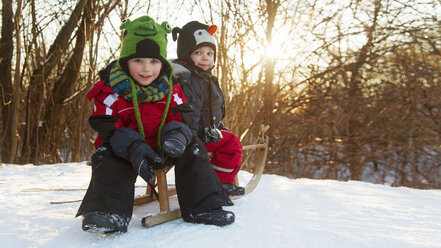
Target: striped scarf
{"x": 122, "y": 84}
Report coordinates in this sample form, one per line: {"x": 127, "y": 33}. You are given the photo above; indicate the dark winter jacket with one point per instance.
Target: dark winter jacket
{"x": 202, "y": 91}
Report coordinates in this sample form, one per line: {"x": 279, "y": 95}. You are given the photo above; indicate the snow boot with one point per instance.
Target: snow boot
{"x": 217, "y": 217}
{"x": 98, "y": 222}
{"x": 233, "y": 190}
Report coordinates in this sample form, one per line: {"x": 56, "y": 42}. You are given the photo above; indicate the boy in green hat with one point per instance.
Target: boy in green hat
{"x": 137, "y": 116}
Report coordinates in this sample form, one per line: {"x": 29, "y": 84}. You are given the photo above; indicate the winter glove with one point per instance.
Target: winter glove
{"x": 173, "y": 148}
{"x": 222, "y": 127}
{"x": 104, "y": 125}
{"x": 211, "y": 135}
{"x": 130, "y": 145}
{"x": 144, "y": 160}
{"x": 146, "y": 168}
{"x": 175, "y": 138}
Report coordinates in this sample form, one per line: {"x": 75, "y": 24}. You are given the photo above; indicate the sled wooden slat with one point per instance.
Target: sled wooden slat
{"x": 149, "y": 198}
{"x": 164, "y": 204}
{"x": 250, "y": 147}
{"x": 153, "y": 220}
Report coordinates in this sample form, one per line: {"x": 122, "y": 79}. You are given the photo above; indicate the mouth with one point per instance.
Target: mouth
{"x": 145, "y": 76}
{"x": 146, "y": 35}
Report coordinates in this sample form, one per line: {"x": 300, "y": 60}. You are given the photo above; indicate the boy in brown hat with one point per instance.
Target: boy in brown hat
{"x": 196, "y": 52}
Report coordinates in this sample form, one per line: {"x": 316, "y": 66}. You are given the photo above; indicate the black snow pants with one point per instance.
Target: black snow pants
{"x": 112, "y": 185}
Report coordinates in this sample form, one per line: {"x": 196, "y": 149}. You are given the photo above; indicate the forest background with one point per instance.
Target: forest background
{"x": 350, "y": 89}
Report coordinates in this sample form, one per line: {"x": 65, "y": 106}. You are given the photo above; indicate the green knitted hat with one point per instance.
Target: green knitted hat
{"x": 144, "y": 38}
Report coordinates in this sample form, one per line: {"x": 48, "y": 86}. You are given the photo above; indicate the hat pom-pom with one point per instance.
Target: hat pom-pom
{"x": 124, "y": 24}
{"x": 212, "y": 29}
{"x": 167, "y": 27}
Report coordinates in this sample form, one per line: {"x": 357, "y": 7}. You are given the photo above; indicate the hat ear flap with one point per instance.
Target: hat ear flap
{"x": 175, "y": 33}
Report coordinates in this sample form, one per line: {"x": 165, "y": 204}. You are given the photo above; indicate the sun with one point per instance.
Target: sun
{"x": 273, "y": 49}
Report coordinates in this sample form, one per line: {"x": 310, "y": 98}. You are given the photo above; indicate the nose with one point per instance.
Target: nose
{"x": 145, "y": 67}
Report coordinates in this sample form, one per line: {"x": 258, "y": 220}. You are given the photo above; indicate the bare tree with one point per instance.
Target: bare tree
{"x": 8, "y": 96}
{"x": 38, "y": 84}
{"x": 350, "y": 88}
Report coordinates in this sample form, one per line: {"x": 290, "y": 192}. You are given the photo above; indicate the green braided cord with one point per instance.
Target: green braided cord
{"x": 135, "y": 104}
{"x": 164, "y": 115}
{"x": 167, "y": 105}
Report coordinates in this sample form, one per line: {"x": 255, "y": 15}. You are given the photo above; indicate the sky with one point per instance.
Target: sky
{"x": 280, "y": 212}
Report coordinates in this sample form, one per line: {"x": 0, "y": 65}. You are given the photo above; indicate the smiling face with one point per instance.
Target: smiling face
{"x": 203, "y": 57}
{"x": 144, "y": 70}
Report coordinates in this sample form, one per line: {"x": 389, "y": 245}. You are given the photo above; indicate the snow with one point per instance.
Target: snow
{"x": 280, "y": 212}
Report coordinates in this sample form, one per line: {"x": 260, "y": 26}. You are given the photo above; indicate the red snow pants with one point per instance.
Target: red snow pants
{"x": 227, "y": 156}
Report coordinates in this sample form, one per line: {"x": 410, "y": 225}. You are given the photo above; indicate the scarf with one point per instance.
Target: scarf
{"x": 125, "y": 86}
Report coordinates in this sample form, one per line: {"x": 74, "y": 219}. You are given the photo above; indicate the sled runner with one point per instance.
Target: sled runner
{"x": 254, "y": 159}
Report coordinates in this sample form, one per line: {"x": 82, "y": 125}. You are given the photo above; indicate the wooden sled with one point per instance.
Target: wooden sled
{"x": 160, "y": 191}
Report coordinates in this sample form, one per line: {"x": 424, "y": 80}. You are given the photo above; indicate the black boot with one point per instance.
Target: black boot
{"x": 217, "y": 217}
{"x": 233, "y": 190}
{"x": 95, "y": 222}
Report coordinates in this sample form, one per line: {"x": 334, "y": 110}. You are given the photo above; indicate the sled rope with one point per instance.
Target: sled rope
{"x": 63, "y": 202}
{"x": 31, "y": 190}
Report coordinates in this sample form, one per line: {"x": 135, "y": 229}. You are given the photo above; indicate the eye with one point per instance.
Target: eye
{"x": 124, "y": 21}
{"x": 156, "y": 62}
{"x": 167, "y": 27}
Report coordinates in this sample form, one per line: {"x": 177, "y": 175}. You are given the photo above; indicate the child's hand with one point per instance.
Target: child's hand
{"x": 176, "y": 136}
{"x": 147, "y": 167}
{"x": 145, "y": 171}
{"x": 128, "y": 144}
{"x": 173, "y": 148}
{"x": 212, "y": 135}
{"x": 156, "y": 163}
{"x": 104, "y": 125}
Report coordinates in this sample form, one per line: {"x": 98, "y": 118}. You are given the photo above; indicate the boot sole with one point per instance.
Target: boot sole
{"x": 100, "y": 224}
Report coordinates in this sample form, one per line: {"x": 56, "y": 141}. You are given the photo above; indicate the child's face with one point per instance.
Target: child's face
{"x": 203, "y": 57}
{"x": 144, "y": 70}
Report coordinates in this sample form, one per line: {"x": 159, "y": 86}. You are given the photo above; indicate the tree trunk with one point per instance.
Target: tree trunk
{"x": 268, "y": 92}
{"x": 51, "y": 132}
{"x": 7, "y": 91}
{"x": 38, "y": 85}
{"x": 355, "y": 103}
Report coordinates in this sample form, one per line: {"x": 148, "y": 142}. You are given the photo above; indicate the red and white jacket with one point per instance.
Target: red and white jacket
{"x": 107, "y": 102}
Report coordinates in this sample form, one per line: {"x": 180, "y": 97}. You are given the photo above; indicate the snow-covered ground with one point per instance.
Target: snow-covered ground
{"x": 281, "y": 212}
